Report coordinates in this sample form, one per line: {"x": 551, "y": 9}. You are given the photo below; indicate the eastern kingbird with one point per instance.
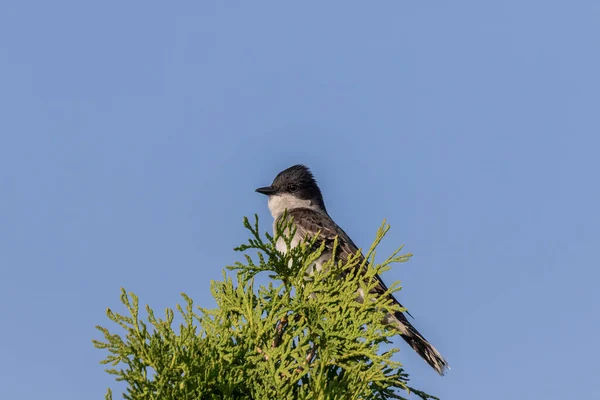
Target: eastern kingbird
{"x": 296, "y": 191}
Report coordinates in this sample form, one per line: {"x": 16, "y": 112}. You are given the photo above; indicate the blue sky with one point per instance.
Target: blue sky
{"x": 133, "y": 135}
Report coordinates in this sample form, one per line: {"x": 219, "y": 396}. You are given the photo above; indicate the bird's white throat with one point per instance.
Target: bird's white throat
{"x": 278, "y": 203}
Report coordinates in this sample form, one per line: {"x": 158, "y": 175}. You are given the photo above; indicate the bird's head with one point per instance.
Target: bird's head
{"x": 292, "y": 188}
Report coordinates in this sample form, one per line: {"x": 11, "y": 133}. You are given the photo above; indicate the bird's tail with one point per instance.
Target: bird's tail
{"x": 423, "y": 348}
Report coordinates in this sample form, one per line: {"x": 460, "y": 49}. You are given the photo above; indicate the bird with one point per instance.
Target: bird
{"x": 294, "y": 192}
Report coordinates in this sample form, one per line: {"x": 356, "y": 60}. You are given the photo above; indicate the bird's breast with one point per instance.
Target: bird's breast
{"x": 281, "y": 246}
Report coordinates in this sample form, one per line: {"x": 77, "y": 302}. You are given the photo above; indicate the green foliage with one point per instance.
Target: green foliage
{"x": 299, "y": 337}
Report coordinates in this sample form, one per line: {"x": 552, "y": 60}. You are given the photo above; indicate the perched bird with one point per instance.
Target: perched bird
{"x": 296, "y": 191}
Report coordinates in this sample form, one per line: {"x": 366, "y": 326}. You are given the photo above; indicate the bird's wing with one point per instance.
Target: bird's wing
{"x": 310, "y": 222}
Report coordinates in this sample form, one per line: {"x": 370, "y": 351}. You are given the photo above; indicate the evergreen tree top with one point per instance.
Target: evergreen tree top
{"x": 298, "y": 337}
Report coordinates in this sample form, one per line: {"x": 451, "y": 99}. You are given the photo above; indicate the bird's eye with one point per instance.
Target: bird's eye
{"x": 293, "y": 187}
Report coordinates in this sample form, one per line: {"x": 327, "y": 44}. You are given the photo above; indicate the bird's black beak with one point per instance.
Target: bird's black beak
{"x": 268, "y": 190}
